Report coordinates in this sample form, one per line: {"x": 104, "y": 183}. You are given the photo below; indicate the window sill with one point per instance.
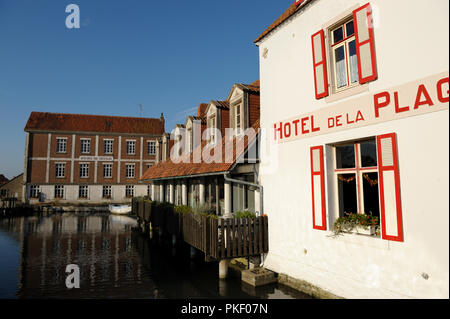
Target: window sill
{"x": 347, "y": 93}
{"x": 360, "y": 240}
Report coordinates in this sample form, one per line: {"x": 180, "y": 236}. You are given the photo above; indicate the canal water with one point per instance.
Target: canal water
{"x": 115, "y": 260}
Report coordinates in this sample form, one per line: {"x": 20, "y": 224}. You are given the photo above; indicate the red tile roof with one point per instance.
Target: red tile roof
{"x": 39, "y": 121}
{"x": 253, "y": 87}
{"x": 201, "y": 111}
{"x": 293, "y": 8}
{"x": 224, "y": 105}
{"x": 170, "y": 169}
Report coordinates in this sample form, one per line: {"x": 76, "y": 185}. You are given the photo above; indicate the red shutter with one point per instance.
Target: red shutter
{"x": 318, "y": 188}
{"x": 389, "y": 188}
{"x": 365, "y": 45}
{"x": 319, "y": 64}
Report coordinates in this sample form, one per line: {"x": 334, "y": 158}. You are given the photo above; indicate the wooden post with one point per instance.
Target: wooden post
{"x": 223, "y": 268}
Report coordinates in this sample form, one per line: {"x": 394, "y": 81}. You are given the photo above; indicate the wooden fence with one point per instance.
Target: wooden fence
{"x": 218, "y": 238}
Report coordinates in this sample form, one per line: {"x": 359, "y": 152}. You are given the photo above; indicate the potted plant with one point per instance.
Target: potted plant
{"x": 363, "y": 224}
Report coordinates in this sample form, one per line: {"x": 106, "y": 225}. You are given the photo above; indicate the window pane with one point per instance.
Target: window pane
{"x": 370, "y": 189}
{"x": 349, "y": 28}
{"x": 348, "y": 202}
{"x": 368, "y": 153}
{"x": 345, "y": 156}
{"x": 353, "y": 62}
{"x": 338, "y": 35}
{"x": 341, "y": 69}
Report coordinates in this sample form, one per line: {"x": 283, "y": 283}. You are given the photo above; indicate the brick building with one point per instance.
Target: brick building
{"x": 88, "y": 158}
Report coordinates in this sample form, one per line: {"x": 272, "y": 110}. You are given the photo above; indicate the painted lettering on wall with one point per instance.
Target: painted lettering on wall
{"x": 420, "y": 97}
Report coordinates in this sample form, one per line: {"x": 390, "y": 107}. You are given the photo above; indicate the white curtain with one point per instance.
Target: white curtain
{"x": 341, "y": 70}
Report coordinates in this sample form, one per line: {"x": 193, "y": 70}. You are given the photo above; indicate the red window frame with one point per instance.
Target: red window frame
{"x": 346, "y": 38}
{"x": 357, "y": 170}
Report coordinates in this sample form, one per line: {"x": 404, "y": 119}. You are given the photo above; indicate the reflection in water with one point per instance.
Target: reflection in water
{"x": 115, "y": 261}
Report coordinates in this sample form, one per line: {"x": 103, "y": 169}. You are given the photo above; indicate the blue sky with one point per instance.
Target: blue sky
{"x": 168, "y": 56}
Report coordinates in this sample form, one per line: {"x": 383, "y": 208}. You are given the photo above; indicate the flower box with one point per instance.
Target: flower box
{"x": 369, "y": 230}
{"x": 361, "y": 224}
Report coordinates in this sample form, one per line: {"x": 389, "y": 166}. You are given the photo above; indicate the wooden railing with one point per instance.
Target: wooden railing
{"x": 218, "y": 238}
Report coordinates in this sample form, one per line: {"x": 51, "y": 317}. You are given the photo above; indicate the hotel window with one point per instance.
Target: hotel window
{"x": 131, "y": 147}
{"x": 149, "y": 190}
{"x": 85, "y": 146}
{"x": 83, "y": 191}
{"x": 149, "y": 165}
{"x": 60, "y": 170}
{"x": 108, "y": 146}
{"x": 84, "y": 170}
{"x": 107, "y": 191}
{"x": 190, "y": 145}
{"x": 151, "y": 147}
{"x": 351, "y": 49}
{"x": 129, "y": 170}
{"x": 34, "y": 191}
{"x": 356, "y": 173}
{"x": 59, "y": 191}
{"x": 343, "y": 53}
{"x": 61, "y": 145}
{"x": 364, "y": 179}
{"x": 129, "y": 191}
{"x": 107, "y": 170}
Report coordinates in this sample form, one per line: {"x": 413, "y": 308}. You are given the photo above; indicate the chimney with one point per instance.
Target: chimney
{"x": 162, "y": 122}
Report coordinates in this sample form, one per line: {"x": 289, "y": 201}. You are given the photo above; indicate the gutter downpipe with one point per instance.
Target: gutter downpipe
{"x": 260, "y": 187}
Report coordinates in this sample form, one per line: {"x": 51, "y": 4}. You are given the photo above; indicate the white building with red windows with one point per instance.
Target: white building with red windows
{"x": 355, "y": 99}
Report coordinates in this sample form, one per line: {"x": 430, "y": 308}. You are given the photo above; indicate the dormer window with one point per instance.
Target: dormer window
{"x": 212, "y": 129}
{"x": 180, "y": 149}
{"x": 189, "y": 140}
{"x": 238, "y": 118}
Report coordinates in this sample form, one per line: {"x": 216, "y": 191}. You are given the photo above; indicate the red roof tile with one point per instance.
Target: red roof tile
{"x": 169, "y": 169}
{"x": 224, "y": 105}
{"x": 39, "y": 121}
{"x": 201, "y": 111}
{"x": 293, "y": 8}
{"x": 253, "y": 87}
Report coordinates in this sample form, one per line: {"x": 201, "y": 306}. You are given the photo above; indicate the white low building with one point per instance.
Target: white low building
{"x": 354, "y": 103}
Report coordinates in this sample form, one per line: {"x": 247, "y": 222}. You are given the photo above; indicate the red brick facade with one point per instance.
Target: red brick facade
{"x": 41, "y": 163}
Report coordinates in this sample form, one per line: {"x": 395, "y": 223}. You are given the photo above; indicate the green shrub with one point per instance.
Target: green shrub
{"x": 245, "y": 214}
{"x": 182, "y": 209}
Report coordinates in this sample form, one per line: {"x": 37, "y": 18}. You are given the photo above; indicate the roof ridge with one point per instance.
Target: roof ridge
{"x": 98, "y": 116}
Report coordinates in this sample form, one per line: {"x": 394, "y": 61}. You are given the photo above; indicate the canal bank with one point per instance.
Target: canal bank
{"x": 115, "y": 260}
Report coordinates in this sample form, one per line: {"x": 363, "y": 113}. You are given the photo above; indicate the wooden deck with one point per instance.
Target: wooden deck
{"x": 217, "y": 238}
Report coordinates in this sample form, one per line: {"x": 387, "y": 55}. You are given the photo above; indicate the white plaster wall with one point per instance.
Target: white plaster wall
{"x": 411, "y": 41}
{"x": 95, "y": 193}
